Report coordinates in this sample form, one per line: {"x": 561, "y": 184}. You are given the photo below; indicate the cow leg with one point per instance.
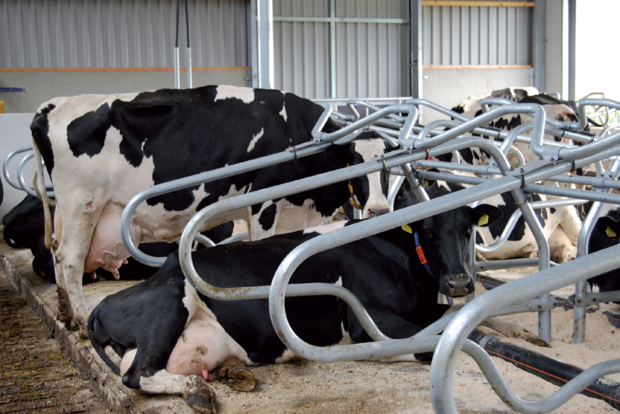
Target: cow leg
{"x": 200, "y": 396}
{"x": 571, "y": 224}
{"x": 74, "y": 227}
{"x": 205, "y": 347}
{"x": 512, "y": 330}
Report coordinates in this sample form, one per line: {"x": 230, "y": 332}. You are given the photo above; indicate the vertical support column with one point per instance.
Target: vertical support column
{"x": 540, "y": 45}
{"x": 415, "y": 60}
{"x": 332, "y": 48}
{"x": 264, "y": 28}
{"x": 572, "y": 29}
{"x": 565, "y": 49}
{"x": 252, "y": 13}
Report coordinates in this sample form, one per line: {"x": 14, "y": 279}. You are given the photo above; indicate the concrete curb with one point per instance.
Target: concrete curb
{"x": 15, "y": 265}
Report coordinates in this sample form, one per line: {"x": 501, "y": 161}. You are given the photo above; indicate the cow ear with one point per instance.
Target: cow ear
{"x": 485, "y": 215}
{"x": 608, "y": 226}
{"x": 340, "y": 154}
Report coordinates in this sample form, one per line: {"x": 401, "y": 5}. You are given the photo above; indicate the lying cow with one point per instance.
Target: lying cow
{"x": 100, "y": 151}
{"x": 560, "y": 224}
{"x": 167, "y": 334}
{"x": 605, "y": 234}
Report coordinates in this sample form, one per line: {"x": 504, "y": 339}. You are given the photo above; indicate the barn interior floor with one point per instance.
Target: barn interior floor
{"x": 302, "y": 387}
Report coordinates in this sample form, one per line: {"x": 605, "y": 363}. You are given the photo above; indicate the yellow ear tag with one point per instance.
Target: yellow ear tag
{"x": 610, "y": 232}
{"x": 407, "y": 228}
{"x": 484, "y": 219}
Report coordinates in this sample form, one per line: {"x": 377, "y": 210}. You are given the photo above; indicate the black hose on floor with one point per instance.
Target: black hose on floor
{"x": 549, "y": 369}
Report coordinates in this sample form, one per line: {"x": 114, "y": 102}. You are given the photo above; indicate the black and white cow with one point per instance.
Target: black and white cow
{"x": 101, "y": 150}
{"x": 562, "y": 224}
{"x": 169, "y": 336}
{"x": 606, "y": 234}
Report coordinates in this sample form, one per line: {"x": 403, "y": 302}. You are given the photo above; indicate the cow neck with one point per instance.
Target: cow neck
{"x": 354, "y": 203}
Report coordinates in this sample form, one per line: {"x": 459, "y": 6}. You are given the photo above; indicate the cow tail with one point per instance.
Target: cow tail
{"x": 90, "y": 329}
{"x": 39, "y": 186}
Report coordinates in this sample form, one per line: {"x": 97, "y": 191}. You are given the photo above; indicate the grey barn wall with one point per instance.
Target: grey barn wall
{"x": 120, "y": 33}
{"x": 42, "y": 86}
{"x": 463, "y": 83}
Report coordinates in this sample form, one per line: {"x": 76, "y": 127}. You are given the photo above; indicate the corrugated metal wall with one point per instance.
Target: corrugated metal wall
{"x": 454, "y": 36}
{"x": 371, "y": 55}
{"x": 119, "y": 33}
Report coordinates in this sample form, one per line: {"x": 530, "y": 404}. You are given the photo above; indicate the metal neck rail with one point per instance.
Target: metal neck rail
{"x": 19, "y": 182}
{"x": 321, "y": 141}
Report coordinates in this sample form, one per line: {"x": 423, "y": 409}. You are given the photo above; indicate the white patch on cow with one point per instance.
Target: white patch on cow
{"x": 294, "y": 218}
{"x": 233, "y": 191}
{"x": 339, "y": 281}
{"x": 370, "y": 149}
{"x": 234, "y": 92}
{"x": 204, "y": 344}
{"x": 127, "y": 360}
{"x": 255, "y": 139}
{"x": 163, "y": 382}
{"x": 286, "y": 356}
{"x": 283, "y": 112}
{"x": 325, "y": 228}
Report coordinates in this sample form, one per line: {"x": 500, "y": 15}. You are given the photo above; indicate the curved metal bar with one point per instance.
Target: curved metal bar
{"x": 393, "y": 191}
{"x": 484, "y": 104}
{"x": 440, "y": 109}
{"x": 584, "y": 151}
{"x": 454, "y": 336}
{"x": 235, "y": 238}
{"x": 20, "y": 175}
{"x": 24, "y": 185}
{"x": 537, "y": 133}
{"x": 5, "y": 167}
{"x": 201, "y": 238}
{"x": 581, "y": 105}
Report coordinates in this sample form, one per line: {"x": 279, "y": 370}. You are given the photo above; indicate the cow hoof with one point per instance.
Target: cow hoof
{"x": 203, "y": 399}
{"x": 237, "y": 376}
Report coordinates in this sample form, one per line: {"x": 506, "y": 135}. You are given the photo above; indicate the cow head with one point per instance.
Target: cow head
{"x": 606, "y": 234}
{"x": 443, "y": 242}
{"x": 368, "y": 193}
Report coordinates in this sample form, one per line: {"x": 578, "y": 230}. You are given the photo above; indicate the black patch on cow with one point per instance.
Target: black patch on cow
{"x": 458, "y": 109}
{"x": 267, "y": 218}
{"x": 476, "y": 156}
{"x": 40, "y": 134}
{"x": 552, "y": 210}
{"x": 86, "y": 134}
{"x": 467, "y": 155}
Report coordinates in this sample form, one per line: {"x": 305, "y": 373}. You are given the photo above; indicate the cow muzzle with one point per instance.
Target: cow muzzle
{"x": 458, "y": 285}
{"x": 374, "y": 212}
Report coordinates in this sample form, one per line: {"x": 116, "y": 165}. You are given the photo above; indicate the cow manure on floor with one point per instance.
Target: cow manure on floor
{"x": 297, "y": 364}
